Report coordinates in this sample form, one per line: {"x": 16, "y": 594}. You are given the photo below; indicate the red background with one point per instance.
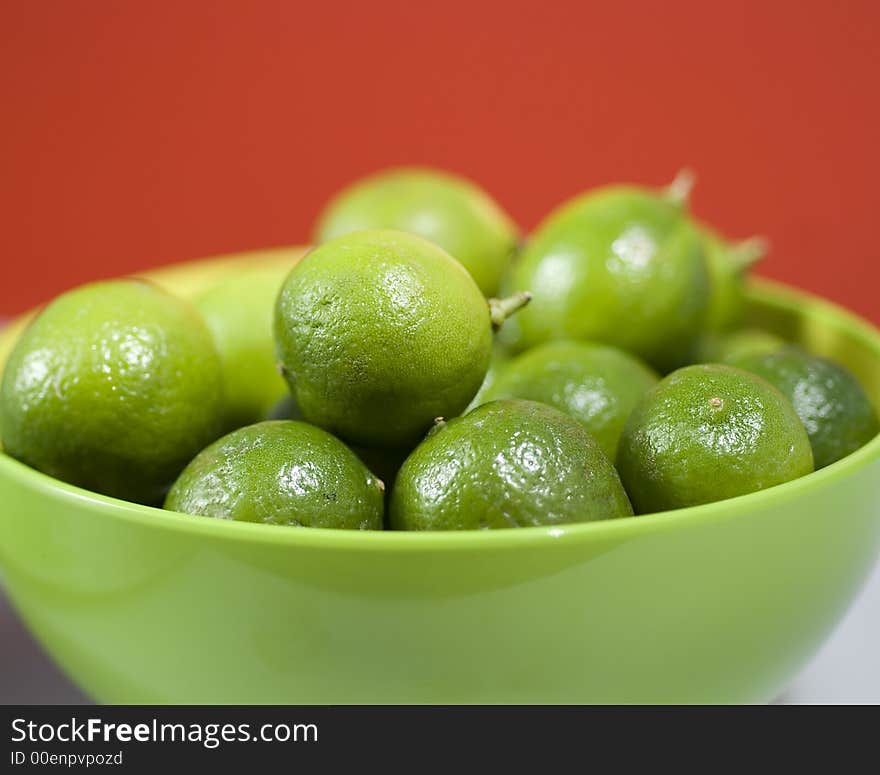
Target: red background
{"x": 139, "y": 133}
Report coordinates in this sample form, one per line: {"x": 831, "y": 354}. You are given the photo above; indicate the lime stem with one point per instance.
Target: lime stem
{"x": 501, "y": 309}
{"x": 679, "y": 191}
{"x": 746, "y": 254}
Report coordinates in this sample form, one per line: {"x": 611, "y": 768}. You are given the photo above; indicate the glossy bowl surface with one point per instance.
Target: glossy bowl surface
{"x": 721, "y": 603}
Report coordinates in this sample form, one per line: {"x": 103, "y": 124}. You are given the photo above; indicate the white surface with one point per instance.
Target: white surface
{"x": 846, "y": 670}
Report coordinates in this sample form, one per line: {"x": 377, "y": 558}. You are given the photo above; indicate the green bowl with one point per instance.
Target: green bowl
{"x": 721, "y": 603}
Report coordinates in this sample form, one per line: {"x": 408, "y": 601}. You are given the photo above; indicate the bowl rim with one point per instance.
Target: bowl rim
{"x": 760, "y": 290}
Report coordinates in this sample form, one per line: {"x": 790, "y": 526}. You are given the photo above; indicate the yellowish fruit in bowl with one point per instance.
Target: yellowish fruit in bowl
{"x": 719, "y": 603}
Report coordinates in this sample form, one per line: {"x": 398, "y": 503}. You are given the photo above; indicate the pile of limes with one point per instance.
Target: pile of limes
{"x": 426, "y": 367}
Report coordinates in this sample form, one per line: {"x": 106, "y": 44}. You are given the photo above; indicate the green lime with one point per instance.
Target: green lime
{"x": 280, "y": 473}
{"x": 706, "y": 433}
{"x": 379, "y": 332}
{"x": 621, "y": 265}
{"x": 113, "y": 387}
{"x": 832, "y": 405}
{"x": 239, "y": 313}
{"x": 448, "y": 210}
{"x": 506, "y": 464}
{"x": 728, "y": 264}
{"x": 596, "y": 384}
{"x": 734, "y": 347}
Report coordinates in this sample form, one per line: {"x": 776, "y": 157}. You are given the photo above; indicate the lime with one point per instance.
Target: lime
{"x": 832, "y": 405}
{"x": 596, "y": 384}
{"x": 280, "y": 473}
{"x": 239, "y": 313}
{"x": 706, "y": 433}
{"x": 728, "y": 264}
{"x": 379, "y": 332}
{"x": 446, "y": 209}
{"x": 113, "y": 387}
{"x": 506, "y": 464}
{"x": 621, "y": 265}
